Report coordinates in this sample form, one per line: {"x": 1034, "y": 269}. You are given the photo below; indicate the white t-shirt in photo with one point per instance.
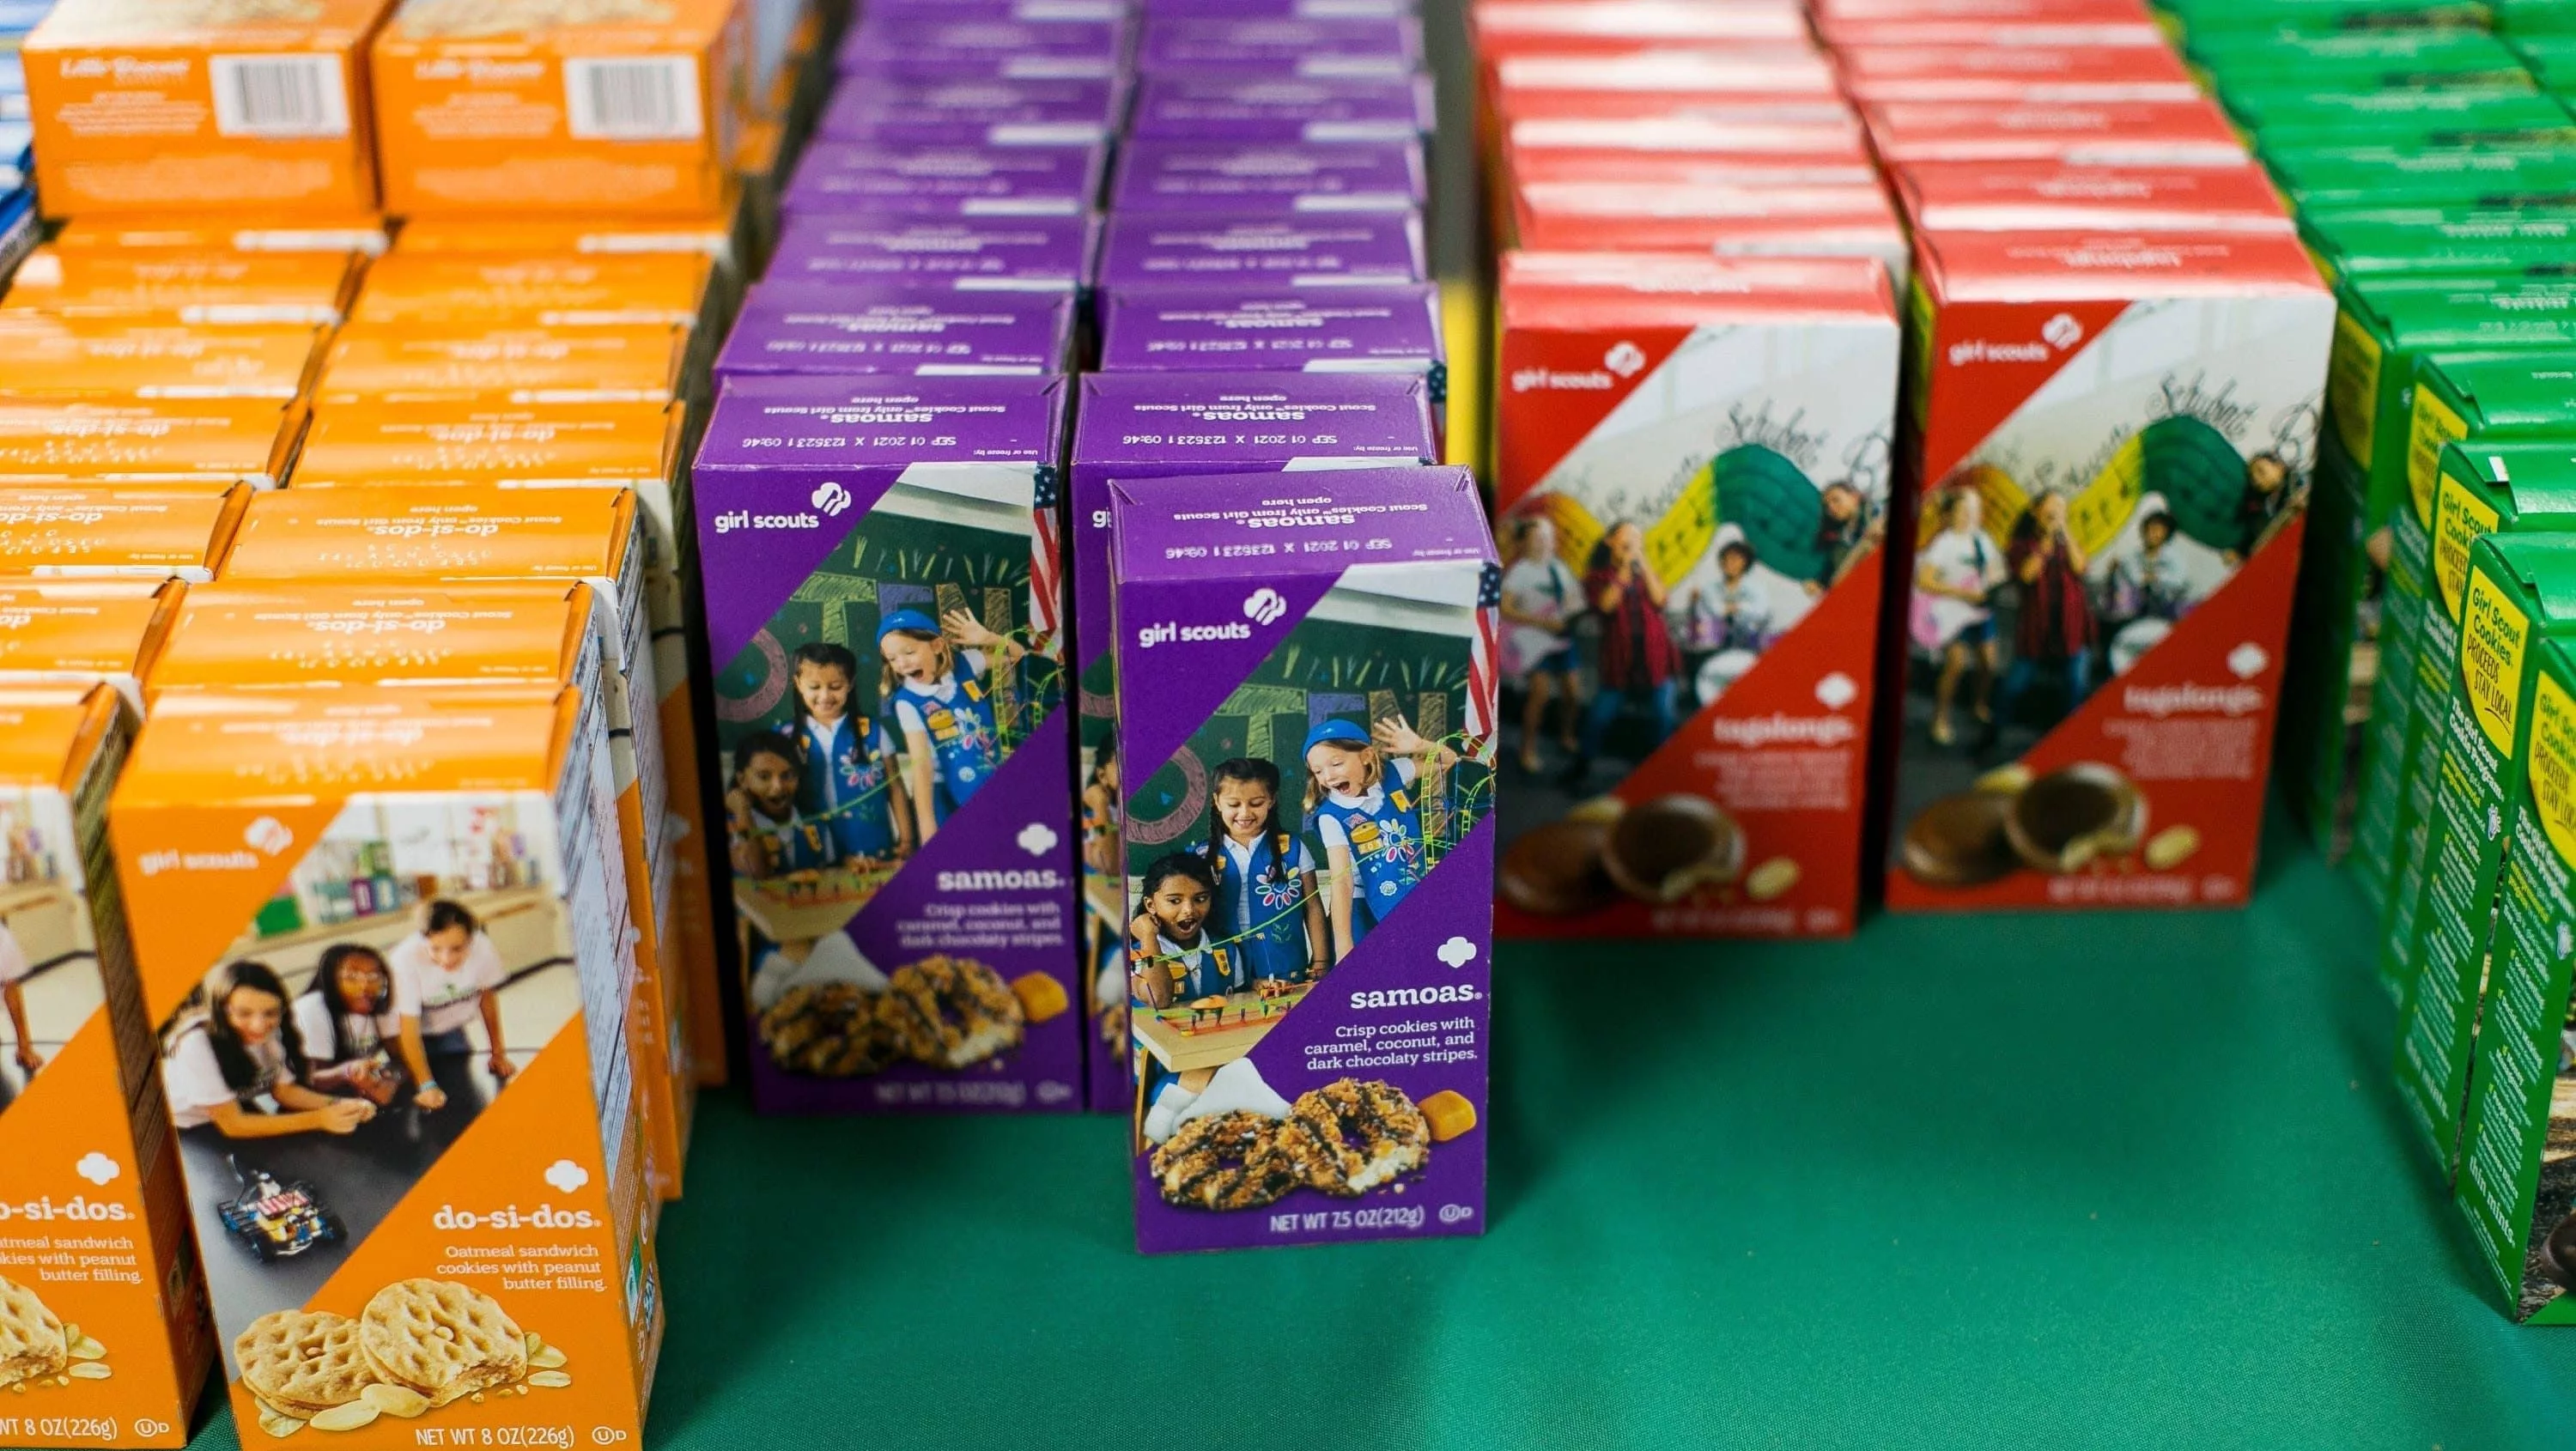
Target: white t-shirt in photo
{"x": 1407, "y": 770}
{"x": 332, "y": 1040}
{"x": 1543, "y": 589}
{"x": 195, "y": 1082}
{"x": 1962, "y": 560}
{"x": 907, "y": 713}
{"x": 13, "y": 958}
{"x": 444, "y": 1001}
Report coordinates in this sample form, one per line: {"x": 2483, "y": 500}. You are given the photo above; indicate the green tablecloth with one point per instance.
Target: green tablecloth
{"x": 2122, "y": 1180}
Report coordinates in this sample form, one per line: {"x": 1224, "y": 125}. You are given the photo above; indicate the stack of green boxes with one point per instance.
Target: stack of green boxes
{"x": 2425, "y": 161}
{"x": 2430, "y": 156}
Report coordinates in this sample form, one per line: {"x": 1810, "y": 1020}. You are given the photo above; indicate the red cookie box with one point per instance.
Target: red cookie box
{"x": 1729, "y": 223}
{"x": 1874, "y": 72}
{"x": 2025, "y": 196}
{"x": 2163, "y": 390}
{"x": 1739, "y": 413}
{"x": 1617, "y": 27}
{"x": 2098, "y": 133}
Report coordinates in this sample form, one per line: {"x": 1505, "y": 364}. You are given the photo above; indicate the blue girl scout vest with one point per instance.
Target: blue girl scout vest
{"x": 1260, "y": 907}
{"x": 802, "y": 846}
{"x": 1386, "y": 852}
{"x": 964, "y": 742}
{"x": 1212, "y": 975}
{"x": 849, "y": 786}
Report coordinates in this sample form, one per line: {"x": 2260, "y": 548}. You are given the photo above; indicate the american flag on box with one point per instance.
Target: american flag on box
{"x": 1481, "y": 680}
{"x": 1046, "y": 559}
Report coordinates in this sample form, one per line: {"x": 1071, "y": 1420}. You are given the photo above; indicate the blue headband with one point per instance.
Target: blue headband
{"x": 1336, "y": 729}
{"x": 906, "y": 620}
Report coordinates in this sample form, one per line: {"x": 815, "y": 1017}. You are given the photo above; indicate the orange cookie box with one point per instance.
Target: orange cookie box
{"x": 85, "y": 632}
{"x": 412, "y": 362}
{"x": 510, "y": 107}
{"x": 479, "y": 1268}
{"x": 103, "y": 359}
{"x": 221, "y": 105}
{"x": 152, "y": 443}
{"x": 97, "y": 1272}
{"x": 551, "y": 292}
{"x": 221, "y": 288}
{"x": 465, "y": 533}
{"x": 93, "y": 533}
{"x": 360, "y": 232}
{"x": 641, "y": 446}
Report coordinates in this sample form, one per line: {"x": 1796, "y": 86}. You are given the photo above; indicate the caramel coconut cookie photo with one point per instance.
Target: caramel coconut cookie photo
{"x": 1346, "y": 1139}
{"x": 850, "y": 1020}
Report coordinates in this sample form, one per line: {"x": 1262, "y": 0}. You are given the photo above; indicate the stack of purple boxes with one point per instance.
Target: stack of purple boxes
{"x": 1215, "y": 205}
{"x": 1264, "y": 307}
{"x": 1264, "y": 304}
{"x": 881, "y": 524}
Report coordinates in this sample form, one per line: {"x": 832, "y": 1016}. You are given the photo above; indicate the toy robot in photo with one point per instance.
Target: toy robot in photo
{"x": 274, "y": 1220}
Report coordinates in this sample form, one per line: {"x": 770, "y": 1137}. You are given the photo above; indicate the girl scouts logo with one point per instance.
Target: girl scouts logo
{"x": 1277, "y": 894}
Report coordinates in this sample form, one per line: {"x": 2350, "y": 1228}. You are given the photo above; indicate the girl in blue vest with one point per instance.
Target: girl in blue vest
{"x": 767, "y": 833}
{"x": 1360, "y": 797}
{"x": 1266, "y": 902}
{"x": 1174, "y": 960}
{"x": 938, "y": 686}
{"x": 846, "y": 781}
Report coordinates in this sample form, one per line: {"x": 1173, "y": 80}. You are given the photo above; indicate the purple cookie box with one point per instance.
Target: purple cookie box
{"x": 832, "y": 327}
{"x": 925, "y": 41}
{"x": 872, "y": 66}
{"x": 1281, "y": 45}
{"x": 1269, "y": 9}
{"x": 983, "y": 254}
{"x": 1214, "y": 574}
{"x": 1177, "y": 249}
{"x": 1265, "y": 108}
{"x": 1143, "y": 425}
{"x": 1065, "y": 112}
{"x": 1343, "y": 330}
{"x": 1013, "y": 9}
{"x": 1201, "y": 177}
{"x": 788, "y": 467}
{"x": 951, "y": 181}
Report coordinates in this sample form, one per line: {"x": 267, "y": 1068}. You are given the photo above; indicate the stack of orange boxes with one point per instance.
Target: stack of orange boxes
{"x": 384, "y": 327}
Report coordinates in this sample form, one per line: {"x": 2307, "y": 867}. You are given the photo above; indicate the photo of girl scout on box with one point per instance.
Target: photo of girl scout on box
{"x": 2026, "y": 600}
{"x": 1298, "y": 818}
{"x": 879, "y": 701}
{"x": 417, "y": 959}
{"x": 1625, "y": 614}
{"x": 49, "y": 974}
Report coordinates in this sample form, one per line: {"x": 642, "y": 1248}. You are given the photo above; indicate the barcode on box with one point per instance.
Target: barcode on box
{"x": 646, "y": 98}
{"x": 279, "y": 97}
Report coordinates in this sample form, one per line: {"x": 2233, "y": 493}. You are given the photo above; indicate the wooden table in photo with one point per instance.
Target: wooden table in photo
{"x": 784, "y": 920}
{"x": 1245, "y": 1020}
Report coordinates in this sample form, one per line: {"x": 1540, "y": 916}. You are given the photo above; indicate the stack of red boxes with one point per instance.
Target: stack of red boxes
{"x": 2112, "y": 395}
{"x": 1696, "y": 397}
{"x": 1624, "y": 125}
